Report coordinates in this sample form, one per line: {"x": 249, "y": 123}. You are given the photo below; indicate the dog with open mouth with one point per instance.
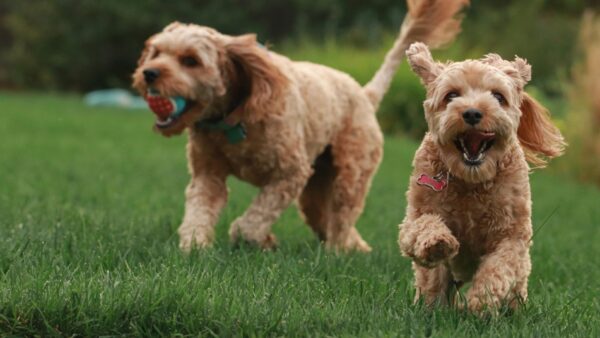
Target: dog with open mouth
{"x": 468, "y": 216}
{"x": 297, "y": 130}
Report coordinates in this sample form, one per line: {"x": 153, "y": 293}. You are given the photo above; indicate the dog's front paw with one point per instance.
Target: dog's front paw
{"x": 347, "y": 241}
{"x": 194, "y": 238}
{"x": 436, "y": 249}
{"x": 485, "y": 305}
{"x": 487, "y": 299}
{"x": 239, "y": 233}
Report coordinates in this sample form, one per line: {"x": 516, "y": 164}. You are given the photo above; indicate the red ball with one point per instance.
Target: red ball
{"x": 161, "y": 106}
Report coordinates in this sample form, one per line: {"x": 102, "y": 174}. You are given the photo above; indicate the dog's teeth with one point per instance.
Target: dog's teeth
{"x": 164, "y": 123}
{"x": 465, "y": 156}
{"x": 482, "y": 148}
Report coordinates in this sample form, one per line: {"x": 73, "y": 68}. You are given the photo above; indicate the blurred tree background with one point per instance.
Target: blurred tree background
{"x": 80, "y": 45}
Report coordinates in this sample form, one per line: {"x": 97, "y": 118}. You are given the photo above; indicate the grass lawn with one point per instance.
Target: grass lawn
{"x": 90, "y": 200}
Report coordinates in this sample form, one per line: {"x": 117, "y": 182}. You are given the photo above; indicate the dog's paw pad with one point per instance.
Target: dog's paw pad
{"x": 437, "y": 250}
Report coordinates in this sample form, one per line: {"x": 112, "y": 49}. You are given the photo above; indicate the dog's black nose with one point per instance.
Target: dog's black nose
{"x": 472, "y": 116}
{"x": 151, "y": 74}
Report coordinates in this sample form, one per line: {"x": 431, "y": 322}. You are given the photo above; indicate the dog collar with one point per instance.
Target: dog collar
{"x": 436, "y": 183}
{"x": 231, "y": 123}
{"x": 234, "y": 132}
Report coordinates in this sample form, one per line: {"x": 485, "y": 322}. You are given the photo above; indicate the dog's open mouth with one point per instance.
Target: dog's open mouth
{"x": 168, "y": 109}
{"x": 474, "y": 144}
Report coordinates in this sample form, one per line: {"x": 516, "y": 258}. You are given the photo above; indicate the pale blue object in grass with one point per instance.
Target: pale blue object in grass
{"x": 114, "y": 98}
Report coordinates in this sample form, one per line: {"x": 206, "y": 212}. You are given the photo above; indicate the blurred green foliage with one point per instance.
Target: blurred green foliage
{"x": 87, "y": 44}
{"x": 79, "y": 45}
{"x": 543, "y": 33}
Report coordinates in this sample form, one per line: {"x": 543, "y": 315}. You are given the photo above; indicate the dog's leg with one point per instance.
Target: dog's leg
{"x": 206, "y": 194}
{"x": 254, "y": 226}
{"x": 433, "y": 285}
{"x": 205, "y": 197}
{"x": 501, "y": 277}
{"x": 519, "y": 290}
{"x": 315, "y": 201}
{"x": 427, "y": 240}
{"x": 357, "y": 152}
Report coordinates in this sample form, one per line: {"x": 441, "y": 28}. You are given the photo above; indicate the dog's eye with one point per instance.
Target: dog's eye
{"x": 188, "y": 61}
{"x": 450, "y": 96}
{"x": 499, "y": 97}
{"x": 155, "y": 54}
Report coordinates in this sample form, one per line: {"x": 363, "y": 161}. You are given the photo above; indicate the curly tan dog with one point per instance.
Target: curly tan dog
{"x": 469, "y": 204}
{"x": 297, "y": 130}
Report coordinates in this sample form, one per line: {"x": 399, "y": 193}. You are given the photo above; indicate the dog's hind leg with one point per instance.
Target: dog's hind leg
{"x": 357, "y": 152}
{"x": 315, "y": 202}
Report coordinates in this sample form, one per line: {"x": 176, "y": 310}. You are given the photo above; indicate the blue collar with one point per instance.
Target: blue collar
{"x": 234, "y": 132}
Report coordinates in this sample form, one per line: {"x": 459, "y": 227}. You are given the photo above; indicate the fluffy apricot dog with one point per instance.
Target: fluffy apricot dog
{"x": 469, "y": 204}
{"x": 297, "y": 130}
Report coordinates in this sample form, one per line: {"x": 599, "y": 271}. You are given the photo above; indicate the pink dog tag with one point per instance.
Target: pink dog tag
{"x": 436, "y": 183}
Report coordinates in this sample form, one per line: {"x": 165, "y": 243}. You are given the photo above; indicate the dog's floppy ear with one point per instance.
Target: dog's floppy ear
{"x": 266, "y": 82}
{"x": 422, "y": 63}
{"x": 539, "y": 138}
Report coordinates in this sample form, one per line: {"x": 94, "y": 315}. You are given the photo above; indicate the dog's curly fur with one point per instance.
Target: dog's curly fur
{"x": 479, "y": 227}
{"x": 312, "y": 135}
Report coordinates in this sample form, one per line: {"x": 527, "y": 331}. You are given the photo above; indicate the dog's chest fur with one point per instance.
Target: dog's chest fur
{"x": 478, "y": 215}
{"x": 472, "y": 213}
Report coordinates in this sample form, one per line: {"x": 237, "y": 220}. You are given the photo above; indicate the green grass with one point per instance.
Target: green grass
{"x": 90, "y": 200}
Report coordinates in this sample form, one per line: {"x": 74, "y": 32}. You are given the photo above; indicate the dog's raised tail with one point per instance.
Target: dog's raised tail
{"x": 433, "y": 22}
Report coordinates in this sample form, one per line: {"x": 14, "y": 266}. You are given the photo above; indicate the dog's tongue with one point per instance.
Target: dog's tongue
{"x": 475, "y": 139}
